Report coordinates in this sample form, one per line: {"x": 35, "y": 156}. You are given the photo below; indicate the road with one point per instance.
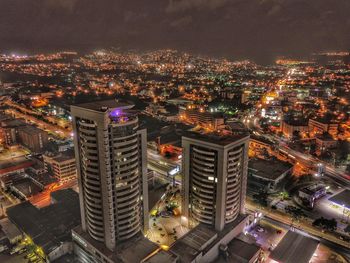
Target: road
{"x": 54, "y": 129}
{"x": 43, "y": 199}
{"x": 314, "y": 162}
{"x": 163, "y": 166}
{"x": 305, "y": 228}
{"x": 339, "y": 249}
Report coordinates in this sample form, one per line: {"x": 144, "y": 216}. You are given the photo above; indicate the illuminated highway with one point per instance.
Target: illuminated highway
{"x": 54, "y": 129}
{"x": 314, "y": 162}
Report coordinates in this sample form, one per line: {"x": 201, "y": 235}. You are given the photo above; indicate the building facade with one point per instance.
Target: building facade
{"x": 62, "y": 166}
{"x": 323, "y": 126}
{"x": 201, "y": 117}
{"x": 110, "y": 152}
{"x": 289, "y": 128}
{"x": 214, "y": 178}
{"x": 33, "y": 138}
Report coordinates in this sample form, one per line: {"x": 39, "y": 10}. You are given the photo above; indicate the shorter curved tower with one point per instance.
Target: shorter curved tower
{"x": 214, "y": 177}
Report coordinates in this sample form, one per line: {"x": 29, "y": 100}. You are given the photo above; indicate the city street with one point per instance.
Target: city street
{"x": 303, "y": 227}
{"x": 43, "y": 199}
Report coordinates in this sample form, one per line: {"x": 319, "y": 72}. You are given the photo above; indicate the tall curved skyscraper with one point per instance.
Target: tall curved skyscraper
{"x": 214, "y": 177}
{"x": 111, "y": 160}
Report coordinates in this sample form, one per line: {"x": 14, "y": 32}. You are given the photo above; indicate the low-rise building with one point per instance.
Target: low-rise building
{"x": 12, "y": 233}
{"x": 201, "y": 117}
{"x": 319, "y": 126}
{"x": 259, "y": 146}
{"x": 9, "y": 130}
{"x": 62, "y": 165}
{"x": 311, "y": 193}
{"x": 49, "y": 228}
{"x": 325, "y": 142}
{"x": 33, "y": 138}
{"x": 267, "y": 175}
{"x": 290, "y": 127}
{"x": 294, "y": 247}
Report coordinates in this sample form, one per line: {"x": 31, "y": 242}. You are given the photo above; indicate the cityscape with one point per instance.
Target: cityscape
{"x": 187, "y": 147}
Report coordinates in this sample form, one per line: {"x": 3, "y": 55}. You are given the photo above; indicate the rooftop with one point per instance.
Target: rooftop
{"x": 12, "y": 123}
{"x": 136, "y": 249}
{"x": 51, "y": 225}
{"x": 325, "y": 120}
{"x": 31, "y": 130}
{"x": 216, "y": 138}
{"x": 9, "y": 229}
{"x": 104, "y": 105}
{"x": 268, "y": 169}
{"x": 190, "y": 245}
{"x": 63, "y": 156}
{"x": 297, "y": 122}
{"x": 342, "y": 198}
{"x": 240, "y": 252}
{"x": 261, "y": 139}
{"x": 201, "y": 239}
{"x": 310, "y": 190}
{"x": 289, "y": 248}
{"x": 324, "y": 137}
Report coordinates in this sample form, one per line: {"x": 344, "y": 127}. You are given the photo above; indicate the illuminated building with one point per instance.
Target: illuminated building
{"x": 214, "y": 178}
{"x": 199, "y": 116}
{"x": 110, "y": 152}
{"x": 9, "y": 129}
{"x": 320, "y": 126}
{"x": 33, "y": 138}
{"x": 214, "y": 192}
{"x": 62, "y": 166}
{"x": 291, "y": 127}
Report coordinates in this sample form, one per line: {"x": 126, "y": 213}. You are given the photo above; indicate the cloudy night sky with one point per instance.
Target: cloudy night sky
{"x": 255, "y": 29}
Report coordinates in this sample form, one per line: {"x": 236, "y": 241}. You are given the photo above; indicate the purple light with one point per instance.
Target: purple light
{"x": 115, "y": 113}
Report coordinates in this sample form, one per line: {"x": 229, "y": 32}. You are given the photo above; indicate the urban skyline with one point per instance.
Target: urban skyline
{"x": 174, "y": 131}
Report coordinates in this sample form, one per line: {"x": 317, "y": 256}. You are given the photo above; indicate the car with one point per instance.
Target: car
{"x": 279, "y": 231}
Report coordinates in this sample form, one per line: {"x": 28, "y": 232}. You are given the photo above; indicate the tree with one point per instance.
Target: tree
{"x": 261, "y": 198}
{"x": 295, "y": 212}
{"x": 326, "y": 224}
{"x": 284, "y": 195}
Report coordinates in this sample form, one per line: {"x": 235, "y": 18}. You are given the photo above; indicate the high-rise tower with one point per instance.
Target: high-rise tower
{"x": 214, "y": 177}
{"x": 110, "y": 152}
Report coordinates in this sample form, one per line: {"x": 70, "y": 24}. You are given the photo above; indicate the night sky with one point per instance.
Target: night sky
{"x": 237, "y": 29}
